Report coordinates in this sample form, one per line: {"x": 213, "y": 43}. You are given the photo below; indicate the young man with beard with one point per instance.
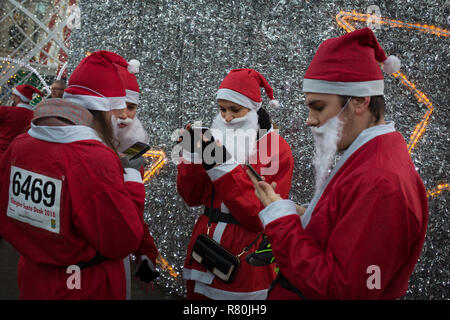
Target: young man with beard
{"x": 362, "y": 233}
{"x": 231, "y": 206}
{"x": 15, "y": 119}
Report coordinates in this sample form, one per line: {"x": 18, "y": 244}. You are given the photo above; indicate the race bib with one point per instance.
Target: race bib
{"x": 34, "y": 199}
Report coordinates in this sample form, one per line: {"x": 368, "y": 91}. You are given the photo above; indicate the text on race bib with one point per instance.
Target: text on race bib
{"x": 34, "y": 199}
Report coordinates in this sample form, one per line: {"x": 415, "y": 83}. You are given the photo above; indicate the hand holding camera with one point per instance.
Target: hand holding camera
{"x": 201, "y": 141}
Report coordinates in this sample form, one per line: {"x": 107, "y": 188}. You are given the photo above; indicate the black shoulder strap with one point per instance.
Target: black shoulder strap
{"x": 282, "y": 281}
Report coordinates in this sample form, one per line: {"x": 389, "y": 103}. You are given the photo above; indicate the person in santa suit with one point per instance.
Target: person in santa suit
{"x": 362, "y": 233}
{"x": 127, "y": 131}
{"x": 76, "y": 218}
{"x": 127, "y": 127}
{"x": 244, "y": 128}
{"x": 16, "y": 119}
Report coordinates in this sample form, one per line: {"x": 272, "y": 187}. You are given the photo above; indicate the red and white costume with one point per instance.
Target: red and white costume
{"x": 134, "y": 131}
{"x": 372, "y": 211}
{"x": 65, "y": 197}
{"x": 13, "y": 121}
{"x": 99, "y": 211}
{"x": 364, "y": 229}
{"x": 234, "y": 194}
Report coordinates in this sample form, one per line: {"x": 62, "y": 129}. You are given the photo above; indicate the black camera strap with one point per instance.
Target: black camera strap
{"x": 215, "y": 215}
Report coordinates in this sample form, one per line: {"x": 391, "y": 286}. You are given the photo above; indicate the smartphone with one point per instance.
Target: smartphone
{"x": 193, "y": 136}
{"x": 203, "y": 129}
{"x": 136, "y": 150}
{"x": 257, "y": 176}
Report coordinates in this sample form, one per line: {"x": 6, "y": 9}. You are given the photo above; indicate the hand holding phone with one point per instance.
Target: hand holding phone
{"x": 215, "y": 156}
{"x": 191, "y": 138}
{"x": 136, "y": 150}
{"x": 263, "y": 190}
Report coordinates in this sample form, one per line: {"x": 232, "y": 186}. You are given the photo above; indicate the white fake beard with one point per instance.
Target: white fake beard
{"x": 326, "y": 139}
{"x": 129, "y": 135}
{"x": 238, "y": 136}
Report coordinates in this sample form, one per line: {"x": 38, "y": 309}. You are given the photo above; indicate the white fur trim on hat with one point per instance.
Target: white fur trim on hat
{"x": 21, "y": 96}
{"x": 355, "y": 89}
{"x": 132, "y": 96}
{"x": 391, "y": 65}
{"x": 133, "y": 66}
{"x": 96, "y": 103}
{"x": 236, "y": 97}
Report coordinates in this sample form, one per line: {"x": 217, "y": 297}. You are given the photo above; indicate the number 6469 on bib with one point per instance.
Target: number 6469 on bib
{"x": 34, "y": 199}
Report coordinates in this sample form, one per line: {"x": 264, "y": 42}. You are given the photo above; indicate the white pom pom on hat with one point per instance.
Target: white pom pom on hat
{"x": 274, "y": 104}
{"x": 133, "y": 66}
{"x": 391, "y": 65}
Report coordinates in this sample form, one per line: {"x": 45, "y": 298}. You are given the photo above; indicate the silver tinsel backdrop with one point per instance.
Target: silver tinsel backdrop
{"x": 187, "y": 47}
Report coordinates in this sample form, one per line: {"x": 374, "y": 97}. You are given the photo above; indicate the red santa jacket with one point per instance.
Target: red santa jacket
{"x": 362, "y": 235}
{"x": 235, "y": 194}
{"x": 64, "y": 199}
{"x": 13, "y": 121}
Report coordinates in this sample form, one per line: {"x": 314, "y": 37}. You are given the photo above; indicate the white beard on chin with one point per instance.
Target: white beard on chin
{"x": 326, "y": 139}
{"x": 129, "y": 135}
{"x": 238, "y": 136}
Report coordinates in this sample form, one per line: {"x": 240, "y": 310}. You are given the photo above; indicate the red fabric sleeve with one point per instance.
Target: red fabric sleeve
{"x": 147, "y": 246}
{"x": 109, "y": 216}
{"x": 193, "y": 184}
{"x": 374, "y": 227}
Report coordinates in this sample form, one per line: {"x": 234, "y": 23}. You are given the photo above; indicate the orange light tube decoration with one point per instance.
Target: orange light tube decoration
{"x": 160, "y": 161}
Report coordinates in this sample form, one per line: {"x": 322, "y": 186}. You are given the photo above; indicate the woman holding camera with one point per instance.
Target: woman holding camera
{"x": 243, "y": 131}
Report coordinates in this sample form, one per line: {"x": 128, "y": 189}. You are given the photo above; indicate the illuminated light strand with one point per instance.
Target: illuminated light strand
{"x": 435, "y": 191}
{"x": 420, "y": 128}
{"x": 342, "y": 16}
{"x": 23, "y": 64}
{"x": 166, "y": 266}
{"x": 160, "y": 162}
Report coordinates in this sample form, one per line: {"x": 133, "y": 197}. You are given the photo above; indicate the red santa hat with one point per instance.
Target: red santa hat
{"x": 26, "y": 91}
{"x": 242, "y": 86}
{"x": 348, "y": 65}
{"x": 96, "y": 84}
{"x": 130, "y": 82}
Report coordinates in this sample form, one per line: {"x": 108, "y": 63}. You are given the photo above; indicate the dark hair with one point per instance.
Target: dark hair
{"x": 103, "y": 126}
{"x": 264, "y": 120}
{"x": 377, "y": 105}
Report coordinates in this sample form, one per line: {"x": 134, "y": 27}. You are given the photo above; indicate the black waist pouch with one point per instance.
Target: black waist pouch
{"x": 215, "y": 258}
